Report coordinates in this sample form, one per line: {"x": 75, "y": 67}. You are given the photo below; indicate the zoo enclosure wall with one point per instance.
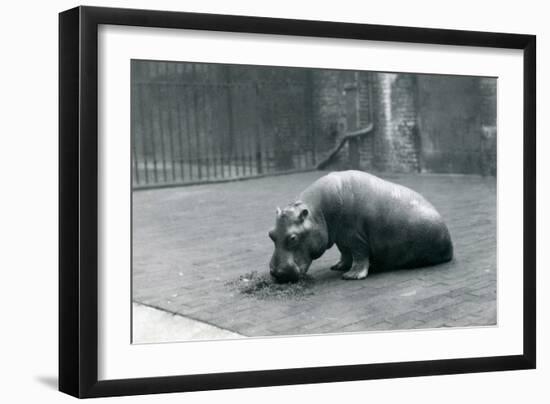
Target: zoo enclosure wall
{"x": 195, "y": 122}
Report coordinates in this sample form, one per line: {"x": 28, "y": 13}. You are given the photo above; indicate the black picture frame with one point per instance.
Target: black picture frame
{"x": 78, "y": 201}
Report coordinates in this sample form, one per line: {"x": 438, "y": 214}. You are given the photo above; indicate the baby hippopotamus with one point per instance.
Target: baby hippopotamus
{"x": 373, "y": 222}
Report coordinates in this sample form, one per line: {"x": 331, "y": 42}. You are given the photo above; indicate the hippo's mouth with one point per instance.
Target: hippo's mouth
{"x": 292, "y": 271}
{"x": 290, "y": 277}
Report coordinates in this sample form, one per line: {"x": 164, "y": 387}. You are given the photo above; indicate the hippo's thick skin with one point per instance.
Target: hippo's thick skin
{"x": 373, "y": 222}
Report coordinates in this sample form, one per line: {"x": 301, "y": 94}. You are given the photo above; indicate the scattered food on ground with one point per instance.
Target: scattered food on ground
{"x": 262, "y": 286}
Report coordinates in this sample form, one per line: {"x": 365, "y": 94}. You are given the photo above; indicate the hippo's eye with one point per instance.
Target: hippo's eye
{"x": 291, "y": 240}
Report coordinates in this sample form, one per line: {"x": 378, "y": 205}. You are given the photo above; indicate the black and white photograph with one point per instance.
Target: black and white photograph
{"x": 276, "y": 201}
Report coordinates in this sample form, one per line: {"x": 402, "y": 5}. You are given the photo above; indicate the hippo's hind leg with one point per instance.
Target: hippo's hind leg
{"x": 346, "y": 260}
{"x": 359, "y": 269}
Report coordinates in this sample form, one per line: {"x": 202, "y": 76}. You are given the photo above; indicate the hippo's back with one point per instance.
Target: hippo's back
{"x": 400, "y": 227}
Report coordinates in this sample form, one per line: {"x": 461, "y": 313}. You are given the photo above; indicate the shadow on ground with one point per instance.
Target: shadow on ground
{"x": 48, "y": 381}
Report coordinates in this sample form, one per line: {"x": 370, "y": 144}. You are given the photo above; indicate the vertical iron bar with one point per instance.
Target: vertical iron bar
{"x": 214, "y": 120}
{"x": 186, "y": 103}
{"x": 211, "y": 160}
{"x": 268, "y": 132}
{"x": 141, "y": 113}
{"x": 168, "y": 129}
{"x": 230, "y": 128}
{"x": 253, "y": 129}
{"x": 309, "y": 112}
{"x": 196, "y": 121}
{"x": 257, "y": 117}
{"x": 133, "y": 123}
{"x": 158, "y": 109}
{"x": 243, "y": 133}
{"x": 221, "y": 132}
{"x": 169, "y": 97}
{"x": 161, "y": 133}
{"x": 248, "y": 143}
{"x": 216, "y": 131}
{"x": 152, "y": 132}
{"x": 134, "y": 136}
{"x": 204, "y": 117}
{"x": 177, "y": 113}
{"x": 237, "y": 139}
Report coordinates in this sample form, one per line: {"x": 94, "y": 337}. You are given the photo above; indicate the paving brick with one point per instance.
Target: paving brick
{"x": 190, "y": 243}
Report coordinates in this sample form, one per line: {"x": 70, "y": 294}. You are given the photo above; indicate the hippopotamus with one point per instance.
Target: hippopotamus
{"x": 375, "y": 224}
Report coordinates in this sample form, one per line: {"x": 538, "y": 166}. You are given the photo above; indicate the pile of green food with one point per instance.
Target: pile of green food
{"x": 262, "y": 286}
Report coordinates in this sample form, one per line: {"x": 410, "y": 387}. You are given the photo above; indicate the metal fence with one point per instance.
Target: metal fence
{"x": 194, "y": 123}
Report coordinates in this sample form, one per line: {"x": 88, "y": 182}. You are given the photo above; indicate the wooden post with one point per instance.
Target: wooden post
{"x": 352, "y": 119}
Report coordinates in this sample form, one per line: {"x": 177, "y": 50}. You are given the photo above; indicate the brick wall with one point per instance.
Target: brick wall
{"x": 452, "y": 114}
{"x": 387, "y": 100}
{"x": 395, "y": 134}
{"x": 448, "y": 124}
{"x": 294, "y": 117}
{"x": 488, "y": 114}
{"x": 328, "y": 107}
{"x": 365, "y": 118}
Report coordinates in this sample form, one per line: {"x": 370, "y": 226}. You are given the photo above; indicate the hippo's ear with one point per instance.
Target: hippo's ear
{"x": 303, "y": 214}
{"x": 278, "y": 211}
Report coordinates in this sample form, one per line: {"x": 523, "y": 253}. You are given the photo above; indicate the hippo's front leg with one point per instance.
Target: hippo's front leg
{"x": 346, "y": 260}
{"x": 359, "y": 269}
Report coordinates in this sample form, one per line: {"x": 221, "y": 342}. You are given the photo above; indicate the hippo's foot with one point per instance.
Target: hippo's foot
{"x": 358, "y": 271}
{"x": 341, "y": 266}
{"x": 346, "y": 260}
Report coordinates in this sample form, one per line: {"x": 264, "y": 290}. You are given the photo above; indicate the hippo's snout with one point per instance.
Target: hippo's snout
{"x": 285, "y": 274}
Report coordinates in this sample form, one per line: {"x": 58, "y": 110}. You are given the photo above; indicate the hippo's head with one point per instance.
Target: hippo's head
{"x": 298, "y": 241}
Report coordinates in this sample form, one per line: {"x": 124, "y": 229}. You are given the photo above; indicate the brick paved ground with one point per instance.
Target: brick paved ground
{"x": 189, "y": 242}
